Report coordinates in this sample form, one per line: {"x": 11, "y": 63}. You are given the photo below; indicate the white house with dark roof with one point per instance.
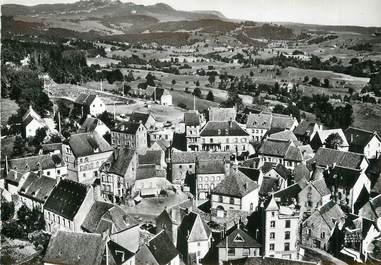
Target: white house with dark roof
{"x": 235, "y": 192}
{"x": 238, "y": 244}
{"x": 92, "y": 124}
{"x": 32, "y": 122}
{"x": 131, "y": 135}
{"x": 118, "y": 174}
{"x": 146, "y": 118}
{"x": 193, "y": 124}
{"x": 306, "y": 130}
{"x": 225, "y": 136}
{"x": 364, "y": 142}
{"x": 67, "y": 206}
{"x": 150, "y": 181}
{"x": 84, "y": 153}
{"x": 91, "y": 104}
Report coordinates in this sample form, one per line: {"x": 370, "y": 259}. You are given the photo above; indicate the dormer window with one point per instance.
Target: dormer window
{"x": 238, "y": 238}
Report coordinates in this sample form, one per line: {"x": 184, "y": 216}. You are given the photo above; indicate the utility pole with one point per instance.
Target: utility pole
{"x": 194, "y": 102}
{"x": 102, "y": 85}
{"x": 59, "y": 122}
{"x": 114, "y": 110}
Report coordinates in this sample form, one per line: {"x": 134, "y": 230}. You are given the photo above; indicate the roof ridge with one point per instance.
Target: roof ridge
{"x": 359, "y": 129}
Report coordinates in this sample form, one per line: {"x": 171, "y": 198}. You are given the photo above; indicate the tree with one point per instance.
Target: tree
{"x": 212, "y": 79}
{"x": 306, "y": 79}
{"x": 40, "y": 136}
{"x": 326, "y": 83}
{"x": 351, "y": 91}
{"x": 276, "y": 88}
{"x": 197, "y": 92}
{"x": 130, "y": 76}
{"x": 251, "y": 73}
{"x": 333, "y": 141}
{"x": 210, "y": 96}
{"x": 19, "y": 146}
{"x": 173, "y": 82}
{"x": 107, "y": 118}
{"x": 315, "y": 81}
{"x": 150, "y": 79}
{"x": 7, "y": 210}
{"x": 197, "y": 83}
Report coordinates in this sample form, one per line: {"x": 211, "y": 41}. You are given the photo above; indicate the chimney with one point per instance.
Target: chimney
{"x": 230, "y": 123}
{"x": 351, "y": 140}
{"x": 6, "y": 165}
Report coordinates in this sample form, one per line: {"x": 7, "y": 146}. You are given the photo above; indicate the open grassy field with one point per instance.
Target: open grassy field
{"x": 8, "y": 108}
{"x": 367, "y": 116}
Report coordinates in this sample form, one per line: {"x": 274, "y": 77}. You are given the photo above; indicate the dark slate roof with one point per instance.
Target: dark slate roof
{"x": 119, "y": 161}
{"x": 80, "y": 248}
{"x": 372, "y": 209}
{"x": 346, "y": 177}
{"x": 268, "y": 185}
{"x": 90, "y": 124}
{"x": 210, "y": 167}
{"x": 144, "y": 256}
{"x": 304, "y": 128}
{"x": 127, "y": 127}
{"x": 267, "y": 261}
{"x": 137, "y": 117}
{"x": 222, "y": 114}
{"x": 192, "y": 118}
{"x": 85, "y": 99}
{"x": 326, "y": 157}
{"x": 266, "y": 120}
{"x": 222, "y": 128}
{"x": 286, "y": 135}
{"x": 149, "y": 171}
{"x": 47, "y": 148}
{"x": 291, "y": 191}
{"x": 97, "y": 210}
{"x": 331, "y": 212}
{"x": 301, "y": 172}
{"x": 151, "y": 157}
{"x": 66, "y": 198}
{"x": 118, "y": 254}
{"x": 280, "y": 148}
{"x": 34, "y": 163}
{"x": 282, "y": 171}
{"x": 236, "y": 184}
{"x": 162, "y": 248}
{"x": 191, "y": 157}
{"x": 358, "y": 138}
{"x": 252, "y": 173}
{"x": 248, "y": 241}
{"x": 193, "y": 225}
{"x": 37, "y": 187}
{"x": 85, "y": 144}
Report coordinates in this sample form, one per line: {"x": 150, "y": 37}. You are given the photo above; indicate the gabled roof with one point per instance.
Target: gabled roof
{"x": 304, "y": 128}
{"x": 372, "y": 209}
{"x": 149, "y": 171}
{"x": 301, "y": 172}
{"x": 331, "y": 212}
{"x": 35, "y": 163}
{"x": 291, "y": 191}
{"x": 193, "y": 225}
{"x": 222, "y": 114}
{"x": 343, "y": 176}
{"x": 280, "y": 148}
{"x": 137, "y": 117}
{"x": 272, "y": 205}
{"x": 145, "y": 256}
{"x": 97, "y": 210}
{"x": 118, "y": 255}
{"x": 238, "y": 238}
{"x": 162, "y": 248}
{"x": 85, "y": 99}
{"x": 286, "y": 135}
{"x": 210, "y": 167}
{"x": 66, "y": 198}
{"x": 37, "y": 187}
{"x": 85, "y": 144}
{"x": 47, "y": 148}
{"x": 151, "y": 157}
{"x": 359, "y": 138}
{"x": 222, "y": 128}
{"x": 268, "y": 185}
{"x": 191, "y": 157}
{"x": 90, "y": 124}
{"x": 324, "y": 134}
{"x": 192, "y": 118}
{"x": 236, "y": 184}
{"x": 268, "y": 120}
{"x": 80, "y": 248}
{"x": 326, "y": 157}
{"x": 127, "y": 127}
{"x": 252, "y": 173}
{"x": 321, "y": 187}
{"x": 119, "y": 162}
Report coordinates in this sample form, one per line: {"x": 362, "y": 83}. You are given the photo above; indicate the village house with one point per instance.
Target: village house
{"x": 130, "y": 135}
{"x": 118, "y": 174}
{"x": 285, "y": 135}
{"x": 153, "y": 157}
{"x": 90, "y": 104}
{"x": 92, "y": 124}
{"x": 312, "y": 196}
{"x": 161, "y": 135}
{"x": 319, "y": 139}
{"x": 81, "y": 248}
{"x": 193, "y": 123}
{"x": 193, "y": 238}
{"x": 317, "y": 228}
{"x": 235, "y": 192}
{"x": 35, "y": 189}
{"x": 371, "y": 210}
{"x": 238, "y": 244}
{"x": 306, "y": 130}
{"x": 150, "y": 181}
{"x": 165, "y": 222}
{"x": 281, "y": 230}
{"x": 84, "y": 153}
{"x": 225, "y": 136}
{"x": 67, "y": 206}
{"x": 278, "y": 172}
{"x": 183, "y": 164}
{"x": 208, "y": 175}
{"x": 280, "y": 152}
{"x": 32, "y": 122}
{"x": 158, "y": 251}
{"x": 364, "y": 142}
{"x": 145, "y": 118}
{"x": 258, "y": 125}
{"x": 163, "y": 97}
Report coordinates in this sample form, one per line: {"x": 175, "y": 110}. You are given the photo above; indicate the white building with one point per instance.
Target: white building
{"x": 364, "y": 142}
{"x": 91, "y": 104}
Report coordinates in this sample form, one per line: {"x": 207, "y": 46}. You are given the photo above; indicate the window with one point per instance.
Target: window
{"x": 206, "y": 179}
{"x": 231, "y": 200}
{"x": 238, "y": 238}
{"x": 272, "y": 246}
{"x": 180, "y": 166}
{"x": 231, "y": 252}
{"x": 288, "y": 223}
{"x": 272, "y": 224}
{"x": 272, "y": 235}
{"x": 322, "y": 235}
{"x": 200, "y": 178}
{"x": 198, "y": 244}
{"x": 272, "y": 214}
{"x": 287, "y": 235}
{"x": 286, "y": 246}
{"x": 190, "y": 166}
{"x": 58, "y": 171}
{"x": 246, "y": 252}
{"x": 48, "y": 173}
{"x": 220, "y": 198}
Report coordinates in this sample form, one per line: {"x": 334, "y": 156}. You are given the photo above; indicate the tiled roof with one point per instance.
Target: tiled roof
{"x": 265, "y": 120}
{"x": 358, "y": 138}
{"x": 286, "y": 135}
{"x": 85, "y": 144}
{"x": 90, "y": 124}
{"x": 37, "y": 187}
{"x": 252, "y": 173}
{"x": 267, "y": 261}
{"x": 291, "y": 191}
{"x": 137, "y": 117}
{"x": 119, "y": 161}
{"x": 343, "y": 176}
{"x": 321, "y": 187}
{"x": 191, "y": 157}
{"x": 127, "y": 127}
{"x": 326, "y": 157}
{"x": 47, "y": 148}
{"x": 282, "y": 171}
{"x": 304, "y": 128}
{"x": 66, "y": 198}
{"x": 85, "y": 99}
{"x": 236, "y": 184}
{"x": 372, "y": 209}
{"x": 268, "y": 185}
{"x": 193, "y": 225}
{"x": 15, "y": 176}
{"x": 238, "y": 238}
{"x": 144, "y": 256}
{"x": 210, "y": 167}
{"x": 151, "y": 157}
{"x": 331, "y": 212}
{"x": 222, "y": 128}
{"x": 118, "y": 254}
{"x": 34, "y": 163}
{"x": 80, "y": 248}
{"x": 301, "y": 172}
{"x": 162, "y": 248}
{"x": 324, "y": 134}
{"x": 149, "y": 171}
{"x": 222, "y": 114}
{"x": 97, "y": 210}
{"x": 192, "y": 118}
{"x": 280, "y": 148}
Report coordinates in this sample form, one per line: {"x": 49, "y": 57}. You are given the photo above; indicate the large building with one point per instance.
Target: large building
{"x": 209, "y": 174}
{"x": 130, "y": 135}
{"x": 193, "y": 123}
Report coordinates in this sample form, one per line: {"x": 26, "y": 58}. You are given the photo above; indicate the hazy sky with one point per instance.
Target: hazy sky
{"x": 332, "y": 12}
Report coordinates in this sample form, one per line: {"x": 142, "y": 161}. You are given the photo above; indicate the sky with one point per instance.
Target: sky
{"x": 328, "y": 12}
